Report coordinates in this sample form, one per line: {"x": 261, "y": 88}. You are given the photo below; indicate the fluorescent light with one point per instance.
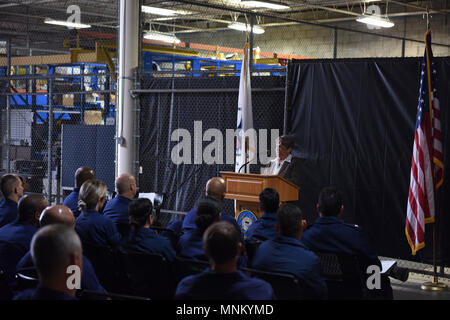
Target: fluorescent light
{"x": 161, "y": 36}
{"x": 265, "y": 4}
{"x": 245, "y": 27}
{"x": 163, "y": 12}
{"x": 375, "y": 21}
{"x": 67, "y": 24}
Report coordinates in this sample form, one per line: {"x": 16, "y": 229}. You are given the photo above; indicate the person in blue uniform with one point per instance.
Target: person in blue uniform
{"x": 117, "y": 209}
{"x": 223, "y": 281}
{"x": 92, "y": 226}
{"x": 331, "y": 234}
{"x": 12, "y": 190}
{"x": 190, "y": 243}
{"x": 141, "y": 238}
{"x": 215, "y": 188}
{"x": 81, "y": 176}
{"x": 286, "y": 253}
{"x": 264, "y": 228}
{"x": 16, "y": 236}
{"x": 54, "y": 248}
{"x": 62, "y": 215}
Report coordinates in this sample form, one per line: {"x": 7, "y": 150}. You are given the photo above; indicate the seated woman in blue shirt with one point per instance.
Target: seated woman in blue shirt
{"x": 190, "y": 243}
{"x": 141, "y": 238}
{"x": 91, "y": 225}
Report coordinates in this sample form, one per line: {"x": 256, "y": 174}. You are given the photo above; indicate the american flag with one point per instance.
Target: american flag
{"x": 427, "y": 165}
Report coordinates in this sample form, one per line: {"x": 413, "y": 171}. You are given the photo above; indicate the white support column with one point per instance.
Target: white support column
{"x": 128, "y": 61}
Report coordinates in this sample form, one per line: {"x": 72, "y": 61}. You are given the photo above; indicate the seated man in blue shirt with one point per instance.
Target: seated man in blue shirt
{"x": 16, "y": 236}
{"x": 141, "y": 238}
{"x": 54, "y": 249}
{"x": 81, "y": 176}
{"x": 12, "y": 190}
{"x": 223, "y": 281}
{"x": 62, "y": 215}
{"x": 264, "y": 228}
{"x": 330, "y": 234}
{"x": 117, "y": 209}
{"x": 215, "y": 188}
{"x": 286, "y": 253}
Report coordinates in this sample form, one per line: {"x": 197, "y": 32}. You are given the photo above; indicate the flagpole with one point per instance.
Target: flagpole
{"x": 435, "y": 285}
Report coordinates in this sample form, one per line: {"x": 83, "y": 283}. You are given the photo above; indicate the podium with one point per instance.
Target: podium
{"x": 246, "y": 187}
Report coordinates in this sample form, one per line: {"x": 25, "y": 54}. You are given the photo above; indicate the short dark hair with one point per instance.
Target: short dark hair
{"x": 289, "y": 220}
{"x": 269, "y": 200}
{"x": 82, "y": 175}
{"x": 288, "y": 141}
{"x": 208, "y": 210}
{"x": 8, "y": 183}
{"x": 139, "y": 210}
{"x": 28, "y": 205}
{"x": 330, "y": 201}
{"x": 221, "y": 241}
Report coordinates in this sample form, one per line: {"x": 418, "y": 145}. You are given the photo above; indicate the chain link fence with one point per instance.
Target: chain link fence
{"x": 54, "y": 79}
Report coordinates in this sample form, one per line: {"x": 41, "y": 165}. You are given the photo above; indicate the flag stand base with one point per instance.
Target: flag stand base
{"x": 434, "y": 286}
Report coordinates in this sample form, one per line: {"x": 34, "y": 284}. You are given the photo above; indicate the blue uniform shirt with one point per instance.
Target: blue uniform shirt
{"x": 16, "y": 238}
{"x": 331, "y": 234}
{"x": 94, "y": 228}
{"x": 72, "y": 201}
{"x": 8, "y": 211}
{"x": 89, "y": 279}
{"x": 210, "y": 285}
{"x": 146, "y": 240}
{"x": 289, "y": 255}
{"x": 263, "y": 228}
{"x": 41, "y": 293}
{"x": 18, "y": 233}
{"x": 117, "y": 210}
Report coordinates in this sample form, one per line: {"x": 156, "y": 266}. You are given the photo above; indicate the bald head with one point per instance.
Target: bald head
{"x": 30, "y": 208}
{"x": 82, "y": 175}
{"x": 126, "y": 185}
{"x": 57, "y": 214}
{"x": 216, "y": 188}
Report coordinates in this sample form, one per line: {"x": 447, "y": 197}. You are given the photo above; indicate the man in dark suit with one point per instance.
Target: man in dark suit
{"x": 285, "y": 164}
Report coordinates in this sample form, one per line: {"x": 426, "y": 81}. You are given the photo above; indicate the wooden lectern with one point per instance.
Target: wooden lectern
{"x": 246, "y": 187}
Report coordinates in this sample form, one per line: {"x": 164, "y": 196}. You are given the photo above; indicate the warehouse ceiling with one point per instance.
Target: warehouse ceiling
{"x": 23, "y": 21}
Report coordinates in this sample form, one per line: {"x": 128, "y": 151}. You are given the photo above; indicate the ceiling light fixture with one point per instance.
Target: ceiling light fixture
{"x": 67, "y": 24}
{"x": 245, "y": 27}
{"x": 163, "y": 12}
{"x": 375, "y": 20}
{"x": 265, "y": 4}
{"x": 161, "y": 36}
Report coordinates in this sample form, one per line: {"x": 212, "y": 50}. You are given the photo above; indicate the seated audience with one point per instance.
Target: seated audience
{"x": 223, "y": 281}
{"x": 141, "y": 238}
{"x": 54, "y": 248}
{"x": 286, "y": 253}
{"x": 117, "y": 209}
{"x": 16, "y": 236}
{"x": 92, "y": 226}
{"x": 215, "y": 188}
{"x": 190, "y": 243}
{"x": 12, "y": 190}
{"x": 264, "y": 228}
{"x": 63, "y": 215}
{"x": 330, "y": 234}
{"x": 81, "y": 176}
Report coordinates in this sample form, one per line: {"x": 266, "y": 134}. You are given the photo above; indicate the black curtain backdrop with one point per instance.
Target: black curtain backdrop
{"x": 162, "y": 113}
{"x": 354, "y": 123}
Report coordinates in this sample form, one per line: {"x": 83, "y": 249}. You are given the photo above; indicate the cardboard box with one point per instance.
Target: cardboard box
{"x": 68, "y": 99}
{"x": 93, "y": 117}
